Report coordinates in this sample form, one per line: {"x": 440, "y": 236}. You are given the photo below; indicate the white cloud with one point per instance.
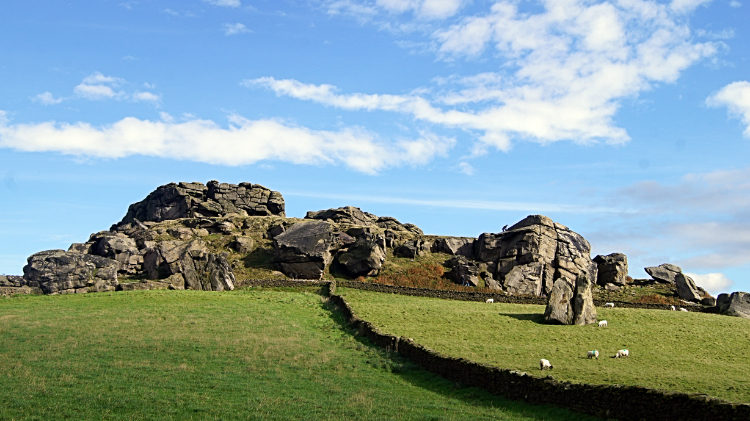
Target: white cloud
{"x": 736, "y": 97}
{"x": 566, "y": 69}
{"x": 714, "y": 283}
{"x": 685, "y": 6}
{"x": 735, "y": 3}
{"x": 235, "y": 28}
{"x": 226, "y": 3}
{"x": 243, "y": 142}
{"x": 146, "y": 96}
{"x": 97, "y": 86}
{"x": 47, "y": 99}
{"x": 466, "y": 168}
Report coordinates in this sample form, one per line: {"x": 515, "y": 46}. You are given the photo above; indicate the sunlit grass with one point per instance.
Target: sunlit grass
{"x": 248, "y": 354}
{"x": 687, "y": 352}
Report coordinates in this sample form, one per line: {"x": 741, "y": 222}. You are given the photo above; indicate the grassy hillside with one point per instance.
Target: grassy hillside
{"x": 687, "y": 352}
{"x": 249, "y": 354}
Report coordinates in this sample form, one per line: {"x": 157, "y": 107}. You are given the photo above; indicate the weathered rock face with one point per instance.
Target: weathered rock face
{"x": 12, "y": 281}
{"x": 59, "y": 271}
{"x": 117, "y": 246}
{"x": 354, "y": 216}
{"x": 463, "y": 271}
{"x": 189, "y": 265}
{"x": 304, "y": 249}
{"x": 686, "y": 288}
{"x": 612, "y": 269}
{"x": 365, "y": 257}
{"x": 534, "y": 253}
{"x": 412, "y": 248}
{"x": 736, "y": 304}
{"x": 189, "y": 200}
{"x": 570, "y": 306}
{"x": 456, "y": 246}
{"x": 664, "y": 273}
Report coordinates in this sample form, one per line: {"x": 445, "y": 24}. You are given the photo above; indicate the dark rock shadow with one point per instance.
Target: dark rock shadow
{"x": 533, "y": 317}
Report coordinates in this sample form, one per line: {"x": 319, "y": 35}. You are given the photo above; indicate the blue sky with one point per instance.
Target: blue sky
{"x": 628, "y": 121}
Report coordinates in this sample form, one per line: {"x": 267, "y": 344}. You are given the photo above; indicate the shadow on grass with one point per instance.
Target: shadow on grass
{"x": 532, "y": 317}
{"x": 421, "y": 378}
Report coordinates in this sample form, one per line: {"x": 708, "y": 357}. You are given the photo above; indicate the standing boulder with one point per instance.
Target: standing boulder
{"x": 560, "y": 303}
{"x": 189, "y": 265}
{"x": 569, "y": 306}
{"x": 304, "y": 249}
{"x": 612, "y": 269}
{"x": 686, "y": 288}
{"x": 736, "y": 304}
{"x": 664, "y": 273}
{"x": 59, "y": 271}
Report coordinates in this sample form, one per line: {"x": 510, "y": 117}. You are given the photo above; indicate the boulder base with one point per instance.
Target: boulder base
{"x": 59, "y": 271}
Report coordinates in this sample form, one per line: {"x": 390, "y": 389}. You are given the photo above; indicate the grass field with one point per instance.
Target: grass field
{"x": 249, "y": 354}
{"x": 687, "y": 352}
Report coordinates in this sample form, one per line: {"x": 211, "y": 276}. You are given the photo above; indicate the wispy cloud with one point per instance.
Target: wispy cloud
{"x": 225, "y": 3}
{"x": 568, "y": 67}
{"x": 97, "y": 86}
{"x": 422, "y": 9}
{"x": 235, "y": 28}
{"x": 736, "y": 97}
{"x": 146, "y": 96}
{"x": 243, "y": 142}
{"x": 47, "y": 98}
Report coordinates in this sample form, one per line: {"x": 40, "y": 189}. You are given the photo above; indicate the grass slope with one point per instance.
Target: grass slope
{"x": 687, "y": 352}
{"x": 249, "y": 354}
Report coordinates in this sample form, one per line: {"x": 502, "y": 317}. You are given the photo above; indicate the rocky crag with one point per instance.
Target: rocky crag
{"x": 212, "y": 236}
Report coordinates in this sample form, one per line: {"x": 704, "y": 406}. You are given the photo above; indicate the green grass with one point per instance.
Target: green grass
{"x": 686, "y": 352}
{"x": 248, "y": 354}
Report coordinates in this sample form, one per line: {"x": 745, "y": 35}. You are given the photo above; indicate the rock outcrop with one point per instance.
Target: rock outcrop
{"x": 191, "y": 200}
{"x": 571, "y": 304}
{"x": 12, "y": 281}
{"x": 189, "y": 265}
{"x": 533, "y": 254}
{"x": 63, "y": 272}
{"x": 351, "y": 215}
{"x": 735, "y": 304}
{"x": 612, "y": 269}
{"x": 304, "y": 249}
{"x": 456, "y": 246}
{"x": 664, "y": 273}
{"x": 463, "y": 271}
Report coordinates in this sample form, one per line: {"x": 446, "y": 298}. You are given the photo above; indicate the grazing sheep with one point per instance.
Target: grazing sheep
{"x": 682, "y": 309}
{"x": 544, "y": 364}
{"x": 490, "y": 300}
{"x": 603, "y": 323}
{"x": 671, "y": 308}
{"x": 622, "y": 353}
{"x": 593, "y": 354}
{"x": 610, "y": 305}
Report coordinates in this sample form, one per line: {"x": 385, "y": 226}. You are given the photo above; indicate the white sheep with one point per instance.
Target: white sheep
{"x": 610, "y": 305}
{"x": 593, "y": 354}
{"x": 672, "y": 308}
{"x": 622, "y": 353}
{"x": 545, "y": 364}
{"x": 682, "y": 309}
{"x": 489, "y": 301}
{"x": 603, "y": 323}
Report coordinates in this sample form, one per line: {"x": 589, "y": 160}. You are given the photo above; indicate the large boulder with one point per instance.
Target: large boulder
{"x": 612, "y": 269}
{"x": 194, "y": 200}
{"x": 345, "y": 215}
{"x": 11, "y": 281}
{"x": 365, "y": 257}
{"x": 59, "y": 271}
{"x": 304, "y": 249}
{"x": 533, "y": 254}
{"x": 686, "y": 288}
{"x": 189, "y": 265}
{"x": 664, "y": 273}
{"x": 735, "y": 304}
{"x": 412, "y": 248}
{"x": 571, "y": 305}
